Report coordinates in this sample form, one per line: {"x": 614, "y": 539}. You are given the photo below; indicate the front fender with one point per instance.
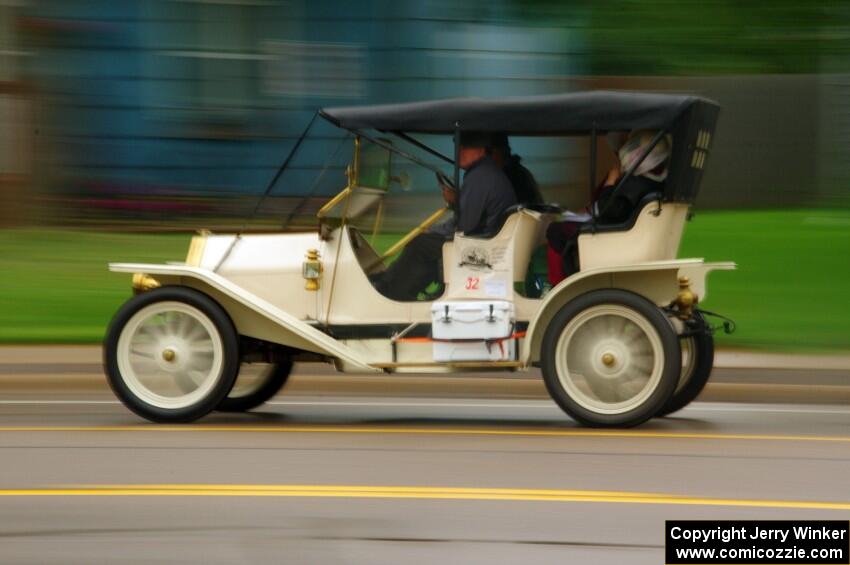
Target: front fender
{"x": 657, "y": 281}
{"x": 252, "y": 315}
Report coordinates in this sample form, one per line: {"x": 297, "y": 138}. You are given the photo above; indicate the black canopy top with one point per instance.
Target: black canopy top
{"x": 556, "y": 114}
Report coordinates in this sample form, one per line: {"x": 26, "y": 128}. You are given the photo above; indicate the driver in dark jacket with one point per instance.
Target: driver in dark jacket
{"x": 484, "y": 196}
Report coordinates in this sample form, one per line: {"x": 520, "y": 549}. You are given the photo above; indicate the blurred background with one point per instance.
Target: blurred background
{"x": 124, "y": 126}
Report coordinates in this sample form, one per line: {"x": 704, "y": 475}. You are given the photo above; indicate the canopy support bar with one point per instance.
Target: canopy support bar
{"x": 422, "y": 146}
{"x": 309, "y": 194}
{"x": 280, "y": 170}
{"x": 592, "y": 160}
{"x": 397, "y": 151}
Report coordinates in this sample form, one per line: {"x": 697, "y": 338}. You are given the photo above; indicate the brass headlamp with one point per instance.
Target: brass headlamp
{"x": 311, "y": 270}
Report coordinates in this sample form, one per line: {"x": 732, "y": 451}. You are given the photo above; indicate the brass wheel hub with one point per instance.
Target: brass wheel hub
{"x": 169, "y": 354}
{"x": 608, "y": 359}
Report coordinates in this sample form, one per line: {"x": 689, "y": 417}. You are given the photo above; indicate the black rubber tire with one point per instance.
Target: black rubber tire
{"x": 670, "y": 371}
{"x": 702, "y": 348}
{"x": 274, "y": 378}
{"x": 230, "y": 354}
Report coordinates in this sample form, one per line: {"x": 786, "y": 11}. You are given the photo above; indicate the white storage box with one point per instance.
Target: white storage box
{"x": 478, "y": 330}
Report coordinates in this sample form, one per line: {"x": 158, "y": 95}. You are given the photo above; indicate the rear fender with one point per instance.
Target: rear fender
{"x": 658, "y": 282}
{"x": 698, "y": 275}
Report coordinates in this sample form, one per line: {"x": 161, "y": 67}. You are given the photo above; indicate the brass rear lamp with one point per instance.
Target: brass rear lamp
{"x": 686, "y": 299}
{"x": 143, "y": 282}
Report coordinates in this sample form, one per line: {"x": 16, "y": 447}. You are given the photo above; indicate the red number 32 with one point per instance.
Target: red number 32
{"x": 472, "y": 283}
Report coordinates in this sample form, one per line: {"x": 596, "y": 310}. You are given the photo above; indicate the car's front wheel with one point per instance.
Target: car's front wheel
{"x": 610, "y": 358}
{"x": 171, "y": 354}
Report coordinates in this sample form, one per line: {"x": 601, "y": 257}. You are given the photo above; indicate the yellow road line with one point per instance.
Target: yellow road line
{"x": 410, "y": 492}
{"x": 336, "y": 429}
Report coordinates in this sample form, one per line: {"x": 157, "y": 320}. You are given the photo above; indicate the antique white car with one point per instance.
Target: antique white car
{"x": 618, "y": 342}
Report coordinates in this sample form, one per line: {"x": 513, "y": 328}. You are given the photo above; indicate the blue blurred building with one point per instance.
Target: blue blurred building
{"x": 175, "y": 97}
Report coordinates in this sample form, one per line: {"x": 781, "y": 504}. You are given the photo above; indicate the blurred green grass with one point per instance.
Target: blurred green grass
{"x": 788, "y": 293}
{"x": 55, "y": 286}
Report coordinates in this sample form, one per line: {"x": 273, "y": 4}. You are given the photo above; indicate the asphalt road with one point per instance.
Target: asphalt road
{"x": 372, "y": 475}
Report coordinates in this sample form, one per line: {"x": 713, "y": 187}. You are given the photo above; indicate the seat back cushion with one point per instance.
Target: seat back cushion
{"x": 655, "y": 236}
{"x": 487, "y": 268}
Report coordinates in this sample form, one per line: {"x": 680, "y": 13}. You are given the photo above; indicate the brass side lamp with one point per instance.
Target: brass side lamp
{"x": 311, "y": 270}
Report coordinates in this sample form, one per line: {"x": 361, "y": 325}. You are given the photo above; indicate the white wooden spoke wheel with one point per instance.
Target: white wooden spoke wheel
{"x": 610, "y": 358}
{"x": 171, "y": 354}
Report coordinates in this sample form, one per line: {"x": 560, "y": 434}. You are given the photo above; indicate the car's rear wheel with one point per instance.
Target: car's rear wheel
{"x": 697, "y": 363}
{"x": 610, "y": 358}
{"x": 256, "y": 384}
{"x": 171, "y": 354}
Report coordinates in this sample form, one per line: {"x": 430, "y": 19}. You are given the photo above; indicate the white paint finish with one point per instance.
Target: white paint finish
{"x": 259, "y": 253}
{"x": 353, "y": 299}
{"x": 526, "y": 308}
{"x": 504, "y": 259}
{"x": 372, "y": 350}
{"x": 269, "y": 266}
{"x": 380, "y": 351}
{"x": 698, "y": 274}
{"x": 654, "y": 237}
{"x": 262, "y": 311}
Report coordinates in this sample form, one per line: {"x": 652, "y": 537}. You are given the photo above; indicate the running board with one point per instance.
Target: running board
{"x": 454, "y": 365}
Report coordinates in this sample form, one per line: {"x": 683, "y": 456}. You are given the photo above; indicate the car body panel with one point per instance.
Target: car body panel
{"x": 252, "y": 315}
